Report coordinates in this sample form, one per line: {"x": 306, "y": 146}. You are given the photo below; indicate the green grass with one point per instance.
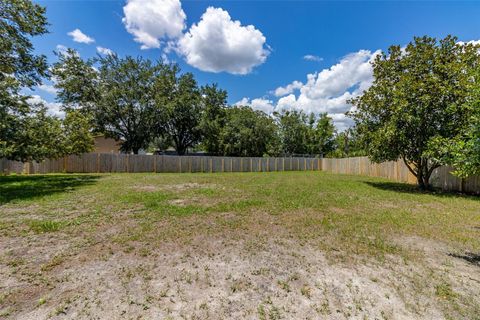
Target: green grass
{"x": 362, "y": 214}
{"x": 346, "y": 217}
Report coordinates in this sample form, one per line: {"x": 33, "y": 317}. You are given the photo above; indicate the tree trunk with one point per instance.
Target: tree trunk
{"x": 181, "y": 150}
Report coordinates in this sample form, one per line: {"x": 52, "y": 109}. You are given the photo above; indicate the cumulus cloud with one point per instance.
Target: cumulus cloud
{"x": 260, "y": 104}
{"x": 282, "y": 91}
{"x": 53, "y": 107}
{"x": 104, "y": 51}
{"x": 78, "y": 36}
{"x": 150, "y": 21}
{"x": 48, "y": 88}
{"x": 217, "y": 43}
{"x": 311, "y": 57}
{"x": 328, "y": 90}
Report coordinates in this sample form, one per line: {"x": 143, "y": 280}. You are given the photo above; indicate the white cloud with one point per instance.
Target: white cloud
{"x": 53, "y": 107}
{"x": 328, "y": 90}
{"x": 217, "y": 43}
{"x": 48, "y": 88}
{"x": 311, "y": 57}
{"x": 474, "y": 42}
{"x": 61, "y": 48}
{"x": 260, "y": 104}
{"x": 152, "y": 20}
{"x": 78, "y": 36}
{"x": 104, "y": 51}
{"x": 282, "y": 91}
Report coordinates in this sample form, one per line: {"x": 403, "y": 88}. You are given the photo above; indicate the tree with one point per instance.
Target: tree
{"x": 418, "y": 94}
{"x": 348, "y": 144}
{"x": 248, "y": 133}
{"x": 213, "y": 118}
{"x": 293, "y": 131}
{"x": 77, "y": 81}
{"x": 119, "y": 97}
{"x": 19, "y": 68}
{"x": 179, "y": 102}
{"x": 321, "y": 134}
{"x": 126, "y": 110}
{"x": 463, "y": 151}
{"x": 78, "y": 136}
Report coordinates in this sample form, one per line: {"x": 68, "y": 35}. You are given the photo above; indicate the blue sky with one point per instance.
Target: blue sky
{"x": 265, "y": 49}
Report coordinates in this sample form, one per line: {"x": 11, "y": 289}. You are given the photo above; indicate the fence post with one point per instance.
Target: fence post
{"x": 127, "y": 162}
{"x": 251, "y": 164}
{"x": 223, "y": 164}
{"x": 154, "y": 163}
{"x": 98, "y": 162}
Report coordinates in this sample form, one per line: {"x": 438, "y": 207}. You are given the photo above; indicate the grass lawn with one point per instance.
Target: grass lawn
{"x": 285, "y": 245}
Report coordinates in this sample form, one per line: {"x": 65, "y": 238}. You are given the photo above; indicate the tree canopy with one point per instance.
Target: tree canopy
{"x": 419, "y": 94}
{"x": 27, "y": 132}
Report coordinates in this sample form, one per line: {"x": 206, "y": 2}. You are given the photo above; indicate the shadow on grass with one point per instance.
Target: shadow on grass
{"x": 413, "y": 189}
{"x": 469, "y": 257}
{"x": 14, "y": 188}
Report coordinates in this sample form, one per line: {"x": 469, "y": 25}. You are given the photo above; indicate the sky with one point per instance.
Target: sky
{"x": 272, "y": 55}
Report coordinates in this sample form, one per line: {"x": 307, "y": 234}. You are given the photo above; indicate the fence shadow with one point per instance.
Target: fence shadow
{"x": 413, "y": 189}
{"x": 469, "y": 257}
{"x": 16, "y": 187}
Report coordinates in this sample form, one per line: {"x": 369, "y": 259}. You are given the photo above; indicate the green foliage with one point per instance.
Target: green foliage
{"x": 419, "y": 94}
{"x": 126, "y": 110}
{"x": 78, "y": 137}
{"x": 321, "y": 137}
{"x": 463, "y": 151}
{"x": 179, "y": 103}
{"x": 77, "y": 82}
{"x": 19, "y": 67}
{"x": 213, "y": 119}
{"x": 119, "y": 97}
{"x": 293, "y": 131}
{"x": 348, "y": 144}
{"x": 300, "y": 134}
{"x": 248, "y": 133}
{"x": 20, "y": 20}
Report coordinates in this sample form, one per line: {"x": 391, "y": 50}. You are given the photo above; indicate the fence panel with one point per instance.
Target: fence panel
{"x": 106, "y": 163}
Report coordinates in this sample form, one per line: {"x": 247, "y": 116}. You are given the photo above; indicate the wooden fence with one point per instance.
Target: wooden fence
{"x": 397, "y": 171}
{"x": 106, "y": 163}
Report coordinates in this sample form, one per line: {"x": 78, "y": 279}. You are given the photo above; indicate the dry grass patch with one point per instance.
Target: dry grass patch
{"x": 253, "y": 245}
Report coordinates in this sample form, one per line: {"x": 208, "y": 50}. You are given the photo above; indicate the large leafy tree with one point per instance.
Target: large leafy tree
{"x": 293, "y": 131}
{"x": 77, "y": 81}
{"x": 418, "y": 95}
{"x": 213, "y": 118}
{"x": 19, "y": 67}
{"x": 463, "y": 151}
{"x": 119, "y": 97}
{"x": 179, "y": 102}
{"x": 320, "y": 134}
{"x": 248, "y": 133}
{"x": 126, "y": 109}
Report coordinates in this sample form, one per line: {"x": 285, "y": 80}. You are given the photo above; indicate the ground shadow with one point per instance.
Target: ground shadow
{"x": 469, "y": 257}
{"x": 16, "y": 187}
{"x": 413, "y": 189}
